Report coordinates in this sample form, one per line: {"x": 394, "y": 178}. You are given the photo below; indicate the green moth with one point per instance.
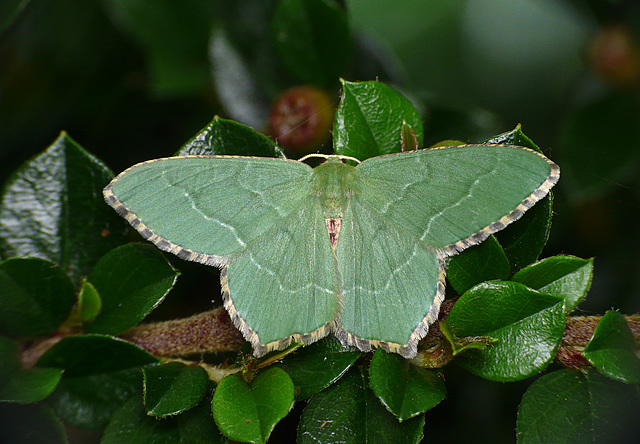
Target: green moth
{"x": 359, "y": 251}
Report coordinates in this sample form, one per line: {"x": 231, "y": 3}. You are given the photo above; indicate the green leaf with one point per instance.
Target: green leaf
{"x": 524, "y": 240}
{"x": 514, "y": 137}
{"x": 100, "y": 373}
{"x": 172, "y": 388}
{"x": 23, "y": 385}
{"x": 132, "y": 280}
{"x": 89, "y": 301}
{"x": 568, "y": 406}
{"x": 567, "y": 277}
{"x": 30, "y": 424}
{"x": 50, "y": 209}
{"x": 612, "y": 349}
{"x": 527, "y": 324}
{"x": 349, "y": 412}
{"x": 94, "y": 354}
{"x": 174, "y": 39}
{"x": 405, "y": 389}
{"x": 226, "y": 137}
{"x": 197, "y": 425}
{"x": 317, "y": 366}
{"x": 36, "y": 296}
{"x": 131, "y": 424}
{"x": 479, "y": 263}
{"x": 312, "y": 39}
{"x": 369, "y": 120}
{"x": 250, "y": 412}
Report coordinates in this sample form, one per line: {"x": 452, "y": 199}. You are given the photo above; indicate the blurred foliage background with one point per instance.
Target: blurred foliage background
{"x": 133, "y": 80}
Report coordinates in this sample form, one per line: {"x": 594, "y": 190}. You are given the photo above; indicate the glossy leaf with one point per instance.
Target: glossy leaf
{"x": 100, "y": 373}
{"x": 523, "y": 242}
{"x": 567, "y": 277}
{"x": 30, "y": 424}
{"x": 514, "y": 137}
{"x": 349, "y": 412}
{"x": 527, "y": 324}
{"x": 132, "y": 280}
{"x": 316, "y": 367}
{"x": 370, "y": 118}
{"x": 612, "y": 349}
{"x": 405, "y": 389}
{"x": 223, "y": 136}
{"x": 312, "y": 39}
{"x": 249, "y": 413}
{"x": 572, "y": 407}
{"x": 479, "y": 263}
{"x": 49, "y": 210}
{"x": 266, "y": 222}
{"x": 197, "y": 425}
{"x": 131, "y": 424}
{"x": 172, "y": 388}
{"x": 23, "y": 385}
{"x": 36, "y": 296}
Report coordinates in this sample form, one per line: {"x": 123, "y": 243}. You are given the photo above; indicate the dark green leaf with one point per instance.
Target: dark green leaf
{"x": 524, "y": 240}
{"x": 132, "y": 280}
{"x": 405, "y": 389}
{"x": 172, "y": 388}
{"x": 23, "y": 386}
{"x": 30, "y": 424}
{"x": 197, "y": 425}
{"x": 477, "y": 264}
{"x": 567, "y": 277}
{"x": 94, "y": 354}
{"x": 36, "y": 296}
{"x": 409, "y": 140}
{"x": 349, "y": 412}
{"x": 174, "y": 38}
{"x": 250, "y": 412}
{"x": 514, "y": 137}
{"x": 227, "y": 137}
{"x": 317, "y": 366}
{"x": 598, "y": 147}
{"x": 100, "y": 373}
{"x": 612, "y": 349}
{"x": 131, "y": 424}
{"x": 52, "y": 208}
{"x": 572, "y": 407}
{"x": 527, "y": 324}
{"x": 312, "y": 39}
{"x": 370, "y": 118}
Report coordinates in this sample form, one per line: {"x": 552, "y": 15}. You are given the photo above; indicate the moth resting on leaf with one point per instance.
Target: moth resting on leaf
{"x": 359, "y": 251}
